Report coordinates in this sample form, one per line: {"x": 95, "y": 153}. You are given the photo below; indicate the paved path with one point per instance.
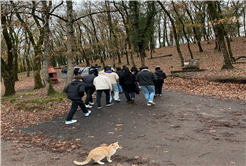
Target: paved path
{"x": 179, "y": 130}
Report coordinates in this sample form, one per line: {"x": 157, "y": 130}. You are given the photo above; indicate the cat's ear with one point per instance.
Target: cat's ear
{"x": 116, "y": 143}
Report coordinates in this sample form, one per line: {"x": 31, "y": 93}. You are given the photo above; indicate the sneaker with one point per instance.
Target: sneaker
{"x": 156, "y": 94}
{"x": 148, "y": 104}
{"x": 91, "y": 103}
{"x": 151, "y": 102}
{"x": 99, "y": 108}
{"x": 133, "y": 100}
{"x": 117, "y": 100}
{"x": 70, "y": 122}
{"x": 88, "y": 106}
{"x": 159, "y": 94}
{"x": 128, "y": 101}
{"x": 108, "y": 105}
{"x": 88, "y": 113}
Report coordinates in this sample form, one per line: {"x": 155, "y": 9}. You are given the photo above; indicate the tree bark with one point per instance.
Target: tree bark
{"x": 7, "y": 69}
{"x": 37, "y": 46}
{"x": 175, "y": 34}
{"x": 47, "y": 80}
{"x": 69, "y": 26}
{"x": 187, "y": 39}
{"x": 220, "y": 31}
{"x": 194, "y": 30}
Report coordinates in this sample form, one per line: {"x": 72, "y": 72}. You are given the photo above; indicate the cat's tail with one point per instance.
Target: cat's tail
{"x": 82, "y": 163}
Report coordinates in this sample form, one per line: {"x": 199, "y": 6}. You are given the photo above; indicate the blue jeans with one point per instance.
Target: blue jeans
{"x": 149, "y": 92}
{"x": 119, "y": 87}
{"x": 65, "y": 75}
{"x": 116, "y": 92}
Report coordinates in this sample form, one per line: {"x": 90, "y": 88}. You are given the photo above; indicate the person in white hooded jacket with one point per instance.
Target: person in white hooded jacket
{"x": 102, "y": 84}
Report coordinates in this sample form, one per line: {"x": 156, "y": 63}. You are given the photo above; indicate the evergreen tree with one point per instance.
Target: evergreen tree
{"x": 142, "y": 24}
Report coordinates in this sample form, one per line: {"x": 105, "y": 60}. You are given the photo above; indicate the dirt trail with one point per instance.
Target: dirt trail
{"x": 180, "y": 129}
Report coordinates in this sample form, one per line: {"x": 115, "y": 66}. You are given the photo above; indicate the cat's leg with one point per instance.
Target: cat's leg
{"x": 108, "y": 158}
{"x": 98, "y": 160}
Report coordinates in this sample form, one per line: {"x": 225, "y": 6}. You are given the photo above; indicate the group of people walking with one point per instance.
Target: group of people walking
{"x": 109, "y": 81}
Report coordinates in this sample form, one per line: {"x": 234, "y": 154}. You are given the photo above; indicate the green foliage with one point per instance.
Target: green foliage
{"x": 142, "y": 19}
{"x": 30, "y": 104}
{"x": 11, "y": 98}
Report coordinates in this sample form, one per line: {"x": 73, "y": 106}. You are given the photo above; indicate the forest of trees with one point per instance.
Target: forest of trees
{"x": 36, "y": 34}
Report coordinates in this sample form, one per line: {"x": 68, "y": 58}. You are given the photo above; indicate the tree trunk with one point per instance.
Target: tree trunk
{"x": 244, "y": 26}
{"x": 142, "y": 54}
{"x": 37, "y": 47}
{"x": 175, "y": 34}
{"x": 28, "y": 66}
{"x": 187, "y": 39}
{"x": 15, "y": 42}
{"x": 220, "y": 32}
{"x": 7, "y": 68}
{"x": 9, "y": 84}
{"x": 1, "y": 76}
{"x": 229, "y": 46}
{"x": 164, "y": 32}
{"x": 48, "y": 84}
{"x": 194, "y": 30}
{"x": 69, "y": 27}
{"x": 159, "y": 31}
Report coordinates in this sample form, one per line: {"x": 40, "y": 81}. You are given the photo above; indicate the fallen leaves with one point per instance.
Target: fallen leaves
{"x": 40, "y": 140}
{"x": 54, "y": 158}
{"x": 16, "y": 159}
{"x": 110, "y": 133}
{"x": 206, "y": 88}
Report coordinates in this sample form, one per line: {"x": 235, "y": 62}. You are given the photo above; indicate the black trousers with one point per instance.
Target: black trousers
{"x": 99, "y": 95}
{"x": 129, "y": 90}
{"x": 158, "y": 86}
{"x": 89, "y": 92}
{"x": 74, "y": 107}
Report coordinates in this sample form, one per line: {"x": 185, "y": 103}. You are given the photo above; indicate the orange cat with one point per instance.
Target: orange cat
{"x": 100, "y": 153}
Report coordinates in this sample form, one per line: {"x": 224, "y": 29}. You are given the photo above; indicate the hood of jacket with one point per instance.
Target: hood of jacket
{"x": 101, "y": 73}
{"x": 75, "y": 82}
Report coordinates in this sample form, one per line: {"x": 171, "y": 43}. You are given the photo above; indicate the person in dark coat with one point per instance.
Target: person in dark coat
{"x": 147, "y": 80}
{"x": 94, "y": 68}
{"x": 134, "y": 70}
{"x": 127, "y": 82}
{"x": 76, "y": 70}
{"x": 64, "y": 70}
{"x": 75, "y": 91}
{"x": 160, "y": 80}
{"x": 119, "y": 72}
{"x": 89, "y": 89}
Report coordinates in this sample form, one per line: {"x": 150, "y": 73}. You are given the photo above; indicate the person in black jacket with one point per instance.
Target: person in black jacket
{"x": 76, "y": 70}
{"x": 75, "y": 91}
{"x": 64, "y": 70}
{"x": 89, "y": 89}
{"x": 94, "y": 68}
{"x": 134, "y": 70}
{"x": 160, "y": 80}
{"x": 127, "y": 82}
